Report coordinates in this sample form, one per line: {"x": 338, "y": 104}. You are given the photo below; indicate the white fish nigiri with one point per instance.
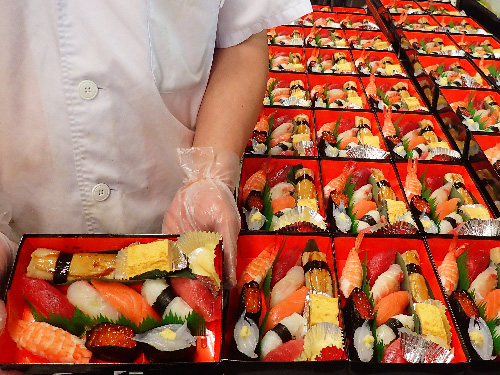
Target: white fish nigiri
{"x": 364, "y": 342}
{"x": 387, "y": 283}
{"x": 156, "y": 337}
{"x": 293, "y": 326}
{"x": 87, "y": 299}
{"x": 484, "y": 283}
{"x": 286, "y": 127}
{"x": 281, "y": 189}
{"x": 441, "y": 195}
{"x": 293, "y": 280}
{"x": 364, "y": 192}
{"x": 481, "y": 339}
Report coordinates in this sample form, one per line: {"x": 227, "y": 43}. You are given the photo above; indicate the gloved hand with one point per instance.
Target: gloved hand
{"x": 7, "y": 249}
{"x": 206, "y": 200}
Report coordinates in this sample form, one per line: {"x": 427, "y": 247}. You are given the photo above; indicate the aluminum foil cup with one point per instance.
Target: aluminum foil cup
{"x": 479, "y": 227}
{"x": 444, "y": 151}
{"x": 300, "y": 219}
{"x": 367, "y": 152}
{"x": 394, "y": 228}
{"x": 304, "y": 148}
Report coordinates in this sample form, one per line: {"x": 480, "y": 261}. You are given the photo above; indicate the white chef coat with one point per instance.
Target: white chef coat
{"x": 96, "y": 97}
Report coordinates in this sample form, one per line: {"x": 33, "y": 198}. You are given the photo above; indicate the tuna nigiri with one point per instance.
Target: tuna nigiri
{"x": 198, "y": 296}
{"x": 125, "y": 300}
{"x": 393, "y": 353}
{"x": 360, "y": 177}
{"x": 392, "y": 304}
{"x": 287, "y": 259}
{"x": 380, "y": 263}
{"x": 477, "y": 262}
{"x": 292, "y": 304}
{"x": 287, "y": 352}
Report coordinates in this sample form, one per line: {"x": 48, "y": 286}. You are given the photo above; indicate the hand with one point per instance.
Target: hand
{"x": 206, "y": 202}
{"x": 6, "y": 252}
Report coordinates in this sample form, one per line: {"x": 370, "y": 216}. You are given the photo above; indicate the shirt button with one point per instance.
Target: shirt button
{"x": 87, "y": 89}
{"x": 101, "y": 192}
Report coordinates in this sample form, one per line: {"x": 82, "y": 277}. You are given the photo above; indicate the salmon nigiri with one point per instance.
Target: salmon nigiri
{"x": 390, "y": 305}
{"x": 125, "y": 300}
{"x": 492, "y": 301}
{"x": 446, "y": 208}
{"x": 286, "y": 307}
{"x": 352, "y": 274}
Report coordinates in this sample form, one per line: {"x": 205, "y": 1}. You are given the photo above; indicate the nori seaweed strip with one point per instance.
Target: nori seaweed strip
{"x": 316, "y": 264}
{"x": 394, "y": 324}
{"x": 451, "y": 220}
{"x": 163, "y": 300}
{"x": 383, "y": 183}
{"x": 304, "y": 177}
{"x": 61, "y": 270}
{"x": 283, "y": 332}
{"x": 369, "y": 220}
{"x": 413, "y": 268}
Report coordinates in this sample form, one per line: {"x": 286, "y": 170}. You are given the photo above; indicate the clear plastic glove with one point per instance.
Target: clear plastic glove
{"x": 206, "y": 200}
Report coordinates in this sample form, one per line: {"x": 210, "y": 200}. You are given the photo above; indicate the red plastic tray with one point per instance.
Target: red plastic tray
{"x": 347, "y": 20}
{"x": 323, "y": 33}
{"x": 398, "y": 6}
{"x": 353, "y": 35}
{"x": 356, "y": 53}
{"x": 372, "y": 245}
{"x": 475, "y": 40}
{"x": 274, "y": 50}
{"x": 285, "y": 31}
{"x": 349, "y": 10}
{"x": 330, "y": 52}
{"x": 428, "y": 37}
{"x": 449, "y": 22}
{"x": 413, "y": 19}
{"x": 318, "y": 79}
{"x": 440, "y": 8}
{"x": 288, "y": 78}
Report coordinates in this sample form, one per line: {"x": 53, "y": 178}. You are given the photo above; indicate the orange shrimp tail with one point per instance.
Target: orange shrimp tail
{"x": 359, "y": 239}
{"x": 259, "y": 266}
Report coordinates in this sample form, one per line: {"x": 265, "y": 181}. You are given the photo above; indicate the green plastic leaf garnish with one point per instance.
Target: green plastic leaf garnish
{"x": 267, "y": 211}
{"x": 463, "y": 272}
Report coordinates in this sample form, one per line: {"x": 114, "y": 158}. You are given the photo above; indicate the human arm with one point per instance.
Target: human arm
{"x": 228, "y": 112}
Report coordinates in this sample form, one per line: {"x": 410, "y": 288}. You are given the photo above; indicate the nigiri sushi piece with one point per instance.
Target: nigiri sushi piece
{"x": 352, "y": 274}
{"x": 495, "y": 255}
{"x": 292, "y": 304}
{"x": 360, "y": 177}
{"x": 448, "y": 269}
{"x": 446, "y": 208}
{"x": 392, "y": 304}
{"x": 45, "y": 298}
{"x": 286, "y": 352}
{"x": 87, "y": 299}
{"x": 287, "y": 259}
{"x": 122, "y": 298}
{"x": 379, "y": 263}
{"x": 394, "y": 353}
{"x": 49, "y": 342}
{"x": 341, "y": 221}
{"x": 250, "y": 301}
{"x": 484, "y": 283}
{"x": 198, "y": 297}
{"x": 492, "y": 304}
{"x": 387, "y": 283}
{"x": 412, "y": 184}
{"x": 369, "y": 219}
{"x": 317, "y": 273}
{"x": 477, "y": 262}
{"x": 362, "y": 207}
{"x": 450, "y": 222}
{"x": 259, "y": 266}
{"x": 161, "y": 296}
{"x": 481, "y": 338}
{"x": 293, "y": 280}
{"x": 112, "y": 342}
{"x": 290, "y": 328}
{"x": 246, "y": 336}
{"x": 363, "y": 193}
{"x": 338, "y": 183}
{"x": 171, "y": 342}
{"x": 441, "y": 194}
{"x": 418, "y": 287}
{"x": 389, "y": 331}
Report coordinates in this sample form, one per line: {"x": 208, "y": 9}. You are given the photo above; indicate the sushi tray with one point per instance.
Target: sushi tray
{"x": 281, "y": 194}
{"x": 334, "y": 61}
{"x": 476, "y": 110}
{"x": 357, "y": 22}
{"x": 397, "y": 94}
{"x": 287, "y": 90}
{"x": 325, "y": 38}
{"x": 491, "y": 68}
{"x": 382, "y": 63}
{"x": 416, "y": 22}
{"x": 353, "y": 10}
{"x": 283, "y": 131}
{"x": 286, "y": 286}
{"x": 468, "y": 269}
{"x": 286, "y": 59}
{"x": 440, "y": 9}
{"x": 368, "y": 40}
{"x": 393, "y": 308}
{"x": 95, "y": 304}
{"x": 362, "y": 195}
{"x": 416, "y": 136}
{"x": 400, "y": 6}
{"x": 350, "y": 134}
{"x": 478, "y": 46}
{"x": 460, "y": 25}
{"x": 337, "y": 92}
{"x": 286, "y": 36}
{"x": 321, "y": 8}
{"x": 322, "y": 20}
{"x": 443, "y": 196}
{"x": 430, "y": 43}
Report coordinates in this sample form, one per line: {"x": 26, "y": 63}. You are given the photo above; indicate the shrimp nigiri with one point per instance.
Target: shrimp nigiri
{"x": 259, "y": 266}
{"x": 352, "y": 274}
{"x": 448, "y": 269}
{"x": 412, "y": 184}
{"x": 257, "y": 181}
{"x": 388, "y": 129}
{"x": 338, "y": 183}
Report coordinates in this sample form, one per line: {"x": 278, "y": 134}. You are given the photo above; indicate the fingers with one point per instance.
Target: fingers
{"x": 229, "y": 228}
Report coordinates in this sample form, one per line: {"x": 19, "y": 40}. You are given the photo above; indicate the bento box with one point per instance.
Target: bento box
{"x": 416, "y": 136}
{"x": 468, "y": 272}
{"x": 396, "y": 94}
{"x": 287, "y": 286}
{"x": 281, "y": 194}
{"x": 399, "y": 6}
{"x": 331, "y": 61}
{"x": 321, "y": 20}
{"x": 337, "y": 92}
{"x": 349, "y": 134}
{"x": 286, "y": 36}
{"x": 287, "y": 90}
{"x": 393, "y": 307}
{"x": 353, "y": 10}
{"x": 490, "y": 145}
{"x": 459, "y": 25}
{"x": 442, "y": 196}
{"x": 478, "y": 46}
{"x": 286, "y": 59}
{"x": 89, "y": 303}
{"x": 369, "y": 40}
{"x": 283, "y": 131}
{"x": 382, "y": 63}
{"x": 416, "y": 22}
{"x": 440, "y": 9}
{"x": 325, "y": 38}
{"x": 357, "y": 22}
{"x": 364, "y": 195}
{"x": 430, "y": 43}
